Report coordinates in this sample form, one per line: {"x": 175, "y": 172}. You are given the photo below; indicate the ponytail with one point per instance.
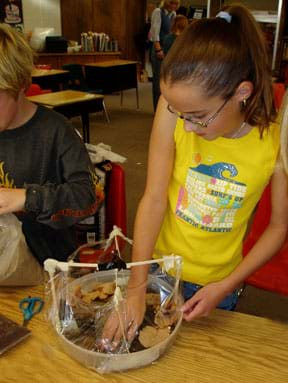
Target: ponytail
{"x": 218, "y": 54}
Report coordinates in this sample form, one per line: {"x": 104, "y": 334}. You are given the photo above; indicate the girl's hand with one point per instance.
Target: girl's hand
{"x": 131, "y": 310}
{"x": 204, "y": 301}
{"x": 12, "y": 200}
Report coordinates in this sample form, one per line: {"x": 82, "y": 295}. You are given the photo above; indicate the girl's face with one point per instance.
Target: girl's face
{"x": 208, "y": 117}
{"x": 9, "y": 108}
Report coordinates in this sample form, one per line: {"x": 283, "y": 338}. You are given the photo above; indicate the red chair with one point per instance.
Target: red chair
{"x": 273, "y": 276}
{"x": 35, "y": 89}
{"x": 278, "y": 92}
{"x": 115, "y": 214}
{"x": 116, "y": 200}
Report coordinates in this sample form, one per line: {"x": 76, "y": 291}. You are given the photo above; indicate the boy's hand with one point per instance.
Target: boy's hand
{"x": 11, "y": 200}
{"x": 204, "y": 301}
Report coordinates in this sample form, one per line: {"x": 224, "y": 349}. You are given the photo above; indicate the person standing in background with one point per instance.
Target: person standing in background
{"x": 161, "y": 21}
{"x": 180, "y": 22}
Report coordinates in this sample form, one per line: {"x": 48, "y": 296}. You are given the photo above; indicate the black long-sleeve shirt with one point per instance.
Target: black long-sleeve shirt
{"x": 47, "y": 158}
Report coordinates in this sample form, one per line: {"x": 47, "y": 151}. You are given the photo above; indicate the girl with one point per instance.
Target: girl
{"x": 213, "y": 150}
{"x": 180, "y": 22}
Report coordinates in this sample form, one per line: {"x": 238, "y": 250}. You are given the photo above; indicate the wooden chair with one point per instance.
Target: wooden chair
{"x": 76, "y": 81}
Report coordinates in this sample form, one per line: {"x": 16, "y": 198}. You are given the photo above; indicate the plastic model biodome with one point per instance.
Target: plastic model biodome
{"x": 89, "y": 306}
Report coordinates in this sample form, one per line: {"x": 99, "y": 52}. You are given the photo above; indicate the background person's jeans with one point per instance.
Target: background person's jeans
{"x": 156, "y": 68}
{"x": 228, "y": 303}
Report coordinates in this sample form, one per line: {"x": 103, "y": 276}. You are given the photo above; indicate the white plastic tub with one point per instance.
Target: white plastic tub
{"x": 103, "y": 362}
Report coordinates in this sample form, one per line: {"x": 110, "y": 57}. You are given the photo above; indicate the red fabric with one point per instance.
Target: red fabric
{"x": 115, "y": 214}
{"x": 35, "y": 89}
{"x": 92, "y": 255}
{"x": 116, "y": 200}
{"x": 273, "y": 275}
{"x": 279, "y": 91}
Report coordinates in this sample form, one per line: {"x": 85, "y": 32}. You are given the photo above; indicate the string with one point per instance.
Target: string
{"x": 238, "y": 131}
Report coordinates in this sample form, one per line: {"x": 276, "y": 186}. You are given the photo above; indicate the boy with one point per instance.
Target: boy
{"x": 46, "y": 177}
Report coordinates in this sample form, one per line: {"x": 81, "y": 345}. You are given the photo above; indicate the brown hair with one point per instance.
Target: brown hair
{"x": 179, "y": 23}
{"x": 16, "y": 60}
{"x": 219, "y": 55}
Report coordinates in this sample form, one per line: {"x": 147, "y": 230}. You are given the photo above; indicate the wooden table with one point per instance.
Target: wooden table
{"x": 227, "y": 347}
{"x": 73, "y": 103}
{"x": 113, "y": 76}
{"x": 50, "y": 78}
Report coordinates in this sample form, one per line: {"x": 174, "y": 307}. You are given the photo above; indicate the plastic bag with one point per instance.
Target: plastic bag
{"x": 82, "y": 300}
{"x": 11, "y": 242}
{"x": 18, "y": 267}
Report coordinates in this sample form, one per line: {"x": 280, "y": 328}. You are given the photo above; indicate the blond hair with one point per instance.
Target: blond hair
{"x": 284, "y": 132}
{"x": 16, "y": 60}
{"x": 164, "y": 3}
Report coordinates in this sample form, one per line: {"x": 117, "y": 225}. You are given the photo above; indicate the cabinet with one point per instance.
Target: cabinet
{"x": 56, "y": 60}
{"x": 122, "y": 20}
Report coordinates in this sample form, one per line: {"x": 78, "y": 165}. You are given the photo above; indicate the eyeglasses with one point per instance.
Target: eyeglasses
{"x": 199, "y": 124}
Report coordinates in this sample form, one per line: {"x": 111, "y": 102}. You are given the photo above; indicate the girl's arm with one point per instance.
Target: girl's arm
{"x": 155, "y": 28}
{"x": 202, "y": 303}
{"x": 153, "y": 204}
{"x": 155, "y": 32}
{"x": 149, "y": 218}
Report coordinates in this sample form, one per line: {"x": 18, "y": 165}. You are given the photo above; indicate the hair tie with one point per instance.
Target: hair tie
{"x": 224, "y": 15}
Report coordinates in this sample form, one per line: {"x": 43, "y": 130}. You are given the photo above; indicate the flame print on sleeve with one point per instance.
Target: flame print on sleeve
{"x": 99, "y": 189}
{"x": 4, "y": 178}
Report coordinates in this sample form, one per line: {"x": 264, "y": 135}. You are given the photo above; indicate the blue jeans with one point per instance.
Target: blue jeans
{"x": 228, "y": 303}
{"x": 189, "y": 289}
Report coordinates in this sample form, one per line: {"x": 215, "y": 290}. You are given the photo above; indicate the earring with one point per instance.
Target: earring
{"x": 244, "y": 102}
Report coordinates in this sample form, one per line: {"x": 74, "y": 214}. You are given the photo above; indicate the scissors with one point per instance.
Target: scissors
{"x": 30, "y": 306}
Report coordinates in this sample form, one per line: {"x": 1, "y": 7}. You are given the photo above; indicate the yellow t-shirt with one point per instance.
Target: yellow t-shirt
{"x": 214, "y": 188}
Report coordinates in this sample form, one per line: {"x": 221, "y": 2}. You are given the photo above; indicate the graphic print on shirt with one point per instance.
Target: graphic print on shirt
{"x": 211, "y": 197}
{"x": 4, "y": 178}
